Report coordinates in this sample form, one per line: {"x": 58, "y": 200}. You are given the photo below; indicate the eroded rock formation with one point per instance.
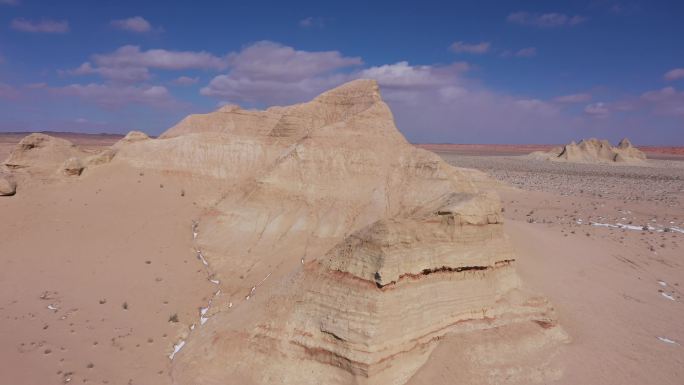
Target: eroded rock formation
{"x": 344, "y": 254}
{"x": 8, "y": 186}
{"x": 594, "y": 151}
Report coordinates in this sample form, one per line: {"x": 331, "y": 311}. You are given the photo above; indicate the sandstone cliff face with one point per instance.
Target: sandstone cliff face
{"x": 594, "y": 151}
{"x": 343, "y": 253}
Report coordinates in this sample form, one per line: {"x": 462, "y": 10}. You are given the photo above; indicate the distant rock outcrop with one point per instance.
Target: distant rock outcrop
{"x": 44, "y": 154}
{"x": 593, "y": 151}
{"x": 131, "y": 137}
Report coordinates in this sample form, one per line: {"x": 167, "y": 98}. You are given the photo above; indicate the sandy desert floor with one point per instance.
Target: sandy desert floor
{"x": 604, "y": 243}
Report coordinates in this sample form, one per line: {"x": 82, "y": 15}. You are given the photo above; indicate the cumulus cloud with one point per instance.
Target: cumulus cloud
{"x": 666, "y": 101}
{"x": 41, "y": 26}
{"x": 267, "y": 72}
{"x": 675, "y": 74}
{"x": 462, "y": 47}
{"x": 131, "y": 64}
{"x": 130, "y": 74}
{"x": 545, "y": 20}
{"x": 573, "y": 98}
{"x": 185, "y": 80}
{"x": 133, "y": 24}
{"x": 130, "y": 55}
{"x": 114, "y": 96}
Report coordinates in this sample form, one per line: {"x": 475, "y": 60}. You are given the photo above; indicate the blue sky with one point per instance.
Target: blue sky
{"x": 463, "y": 72}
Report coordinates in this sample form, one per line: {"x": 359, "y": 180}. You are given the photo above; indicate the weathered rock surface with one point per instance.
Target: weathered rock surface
{"x": 594, "y": 151}
{"x": 344, "y": 254}
{"x": 44, "y": 154}
{"x": 7, "y": 185}
{"x": 73, "y": 167}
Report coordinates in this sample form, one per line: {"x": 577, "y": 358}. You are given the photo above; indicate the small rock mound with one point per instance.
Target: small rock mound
{"x": 73, "y": 167}
{"x": 40, "y": 153}
{"x": 593, "y": 151}
{"x": 7, "y": 185}
{"x": 131, "y": 137}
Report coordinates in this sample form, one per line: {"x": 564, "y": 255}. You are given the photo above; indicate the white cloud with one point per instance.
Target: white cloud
{"x": 267, "y": 72}
{"x": 462, "y": 47}
{"x": 401, "y": 75}
{"x": 123, "y": 74}
{"x": 545, "y": 20}
{"x": 666, "y": 101}
{"x": 42, "y": 26}
{"x": 185, "y": 80}
{"x": 675, "y": 74}
{"x": 133, "y": 24}
{"x": 573, "y": 98}
{"x": 114, "y": 96}
{"x": 130, "y": 64}
{"x": 130, "y": 55}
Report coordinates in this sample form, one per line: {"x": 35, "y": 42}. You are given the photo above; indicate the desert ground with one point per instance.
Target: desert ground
{"x": 171, "y": 263}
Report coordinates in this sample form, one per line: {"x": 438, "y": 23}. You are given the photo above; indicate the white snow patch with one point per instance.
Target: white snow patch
{"x": 668, "y": 296}
{"x": 195, "y": 224}
{"x": 52, "y": 307}
{"x": 214, "y": 281}
{"x": 201, "y": 257}
{"x": 176, "y": 348}
{"x": 662, "y": 283}
{"x": 668, "y": 341}
{"x": 676, "y": 229}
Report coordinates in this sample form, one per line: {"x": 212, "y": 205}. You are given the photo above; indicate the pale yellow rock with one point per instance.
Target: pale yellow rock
{"x": 344, "y": 254}
{"x": 593, "y": 151}
{"x": 42, "y": 155}
{"x": 8, "y": 186}
{"x": 72, "y": 167}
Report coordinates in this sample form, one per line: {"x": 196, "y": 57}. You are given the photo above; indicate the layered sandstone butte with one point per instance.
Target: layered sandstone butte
{"x": 344, "y": 254}
{"x": 594, "y": 151}
{"x": 341, "y": 253}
